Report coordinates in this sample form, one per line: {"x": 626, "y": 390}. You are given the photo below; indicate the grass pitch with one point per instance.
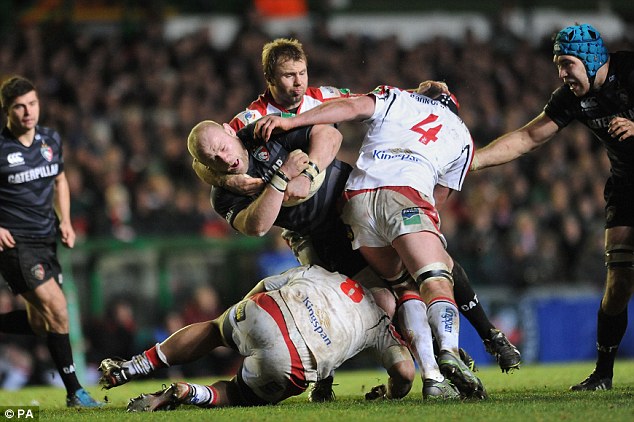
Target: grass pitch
{"x": 534, "y": 393}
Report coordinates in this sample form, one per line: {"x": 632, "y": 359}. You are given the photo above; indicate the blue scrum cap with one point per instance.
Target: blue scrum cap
{"x": 585, "y": 43}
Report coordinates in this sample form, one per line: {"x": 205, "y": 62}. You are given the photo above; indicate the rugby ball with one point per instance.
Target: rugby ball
{"x": 314, "y": 187}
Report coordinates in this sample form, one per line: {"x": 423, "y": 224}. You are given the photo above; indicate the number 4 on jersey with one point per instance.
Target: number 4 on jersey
{"x": 428, "y": 135}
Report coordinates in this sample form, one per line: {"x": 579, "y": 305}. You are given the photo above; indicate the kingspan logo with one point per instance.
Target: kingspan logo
{"x": 402, "y": 154}
{"x": 316, "y": 323}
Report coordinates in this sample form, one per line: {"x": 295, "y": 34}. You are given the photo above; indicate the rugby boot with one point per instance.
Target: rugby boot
{"x": 507, "y": 355}
{"x": 81, "y": 398}
{"x": 169, "y": 398}
{"x": 461, "y": 376}
{"x": 444, "y": 389}
{"x": 594, "y": 382}
{"x": 322, "y": 391}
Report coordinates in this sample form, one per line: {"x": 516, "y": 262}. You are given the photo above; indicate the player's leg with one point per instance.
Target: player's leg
{"x": 612, "y": 315}
{"x": 424, "y": 255}
{"x": 496, "y": 343}
{"x": 47, "y": 309}
{"x": 186, "y": 345}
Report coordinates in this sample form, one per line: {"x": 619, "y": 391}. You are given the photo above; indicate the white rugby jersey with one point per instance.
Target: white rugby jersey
{"x": 413, "y": 141}
{"x": 265, "y": 104}
{"x": 335, "y": 315}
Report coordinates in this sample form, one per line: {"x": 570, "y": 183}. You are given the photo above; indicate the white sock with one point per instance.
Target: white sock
{"x": 412, "y": 319}
{"x": 444, "y": 320}
{"x": 139, "y": 365}
{"x": 201, "y": 395}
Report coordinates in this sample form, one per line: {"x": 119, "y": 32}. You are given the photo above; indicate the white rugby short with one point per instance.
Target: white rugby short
{"x": 378, "y": 216}
{"x": 278, "y": 364}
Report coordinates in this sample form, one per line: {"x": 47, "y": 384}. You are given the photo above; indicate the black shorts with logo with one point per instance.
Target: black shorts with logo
{"x": 619, "y": 203}
{"x": 30, "y": 263}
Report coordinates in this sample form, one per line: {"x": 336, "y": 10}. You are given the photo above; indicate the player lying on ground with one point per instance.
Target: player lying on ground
{"x": 293, "y": 329}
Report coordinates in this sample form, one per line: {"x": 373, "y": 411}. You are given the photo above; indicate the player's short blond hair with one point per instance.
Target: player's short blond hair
{"x": 278, "y": 51}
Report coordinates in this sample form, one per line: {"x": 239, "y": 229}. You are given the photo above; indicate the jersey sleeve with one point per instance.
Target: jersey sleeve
{"x": 557, "y": 108}
{"x": 228, "y": 204}
{"x": 244, "y": 118}
{"x": 384, "y": 95}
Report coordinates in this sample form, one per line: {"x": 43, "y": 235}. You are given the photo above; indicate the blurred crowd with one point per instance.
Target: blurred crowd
{"x": 125, "y": 101}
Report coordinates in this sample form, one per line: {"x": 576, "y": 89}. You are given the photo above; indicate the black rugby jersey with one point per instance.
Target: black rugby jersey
{"x": 27, "y": 182}
{"x": 264, "y": 160}
{"x": 597, "y": 108}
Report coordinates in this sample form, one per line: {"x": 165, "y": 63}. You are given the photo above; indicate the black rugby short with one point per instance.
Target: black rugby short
{"x": 619, "y": 203}
{"x": 30, "y": 263}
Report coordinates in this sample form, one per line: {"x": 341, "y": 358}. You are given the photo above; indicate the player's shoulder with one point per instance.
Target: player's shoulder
{"x": 48, "y": 133}
{"x": 327, "y": 92}
{"x": 246, "y": 117}
{"x": 623, "y": 63}
{"x": 383, "y": 91}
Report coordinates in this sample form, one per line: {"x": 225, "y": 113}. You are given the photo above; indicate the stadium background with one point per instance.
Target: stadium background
{"x": 124, "y": 82}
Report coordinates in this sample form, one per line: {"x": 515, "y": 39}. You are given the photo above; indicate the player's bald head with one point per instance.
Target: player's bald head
{"x": 200, "y": 137}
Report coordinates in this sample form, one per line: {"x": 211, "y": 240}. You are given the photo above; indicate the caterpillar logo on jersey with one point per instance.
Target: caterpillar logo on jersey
{"x": 15, "y": 159}
{"x": 46, "y": 151}
{"x": 411, "y": 216}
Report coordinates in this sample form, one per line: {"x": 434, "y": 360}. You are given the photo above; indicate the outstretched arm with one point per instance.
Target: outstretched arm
{"x": 514, "y": 144}
{"x": 330, "y": 112}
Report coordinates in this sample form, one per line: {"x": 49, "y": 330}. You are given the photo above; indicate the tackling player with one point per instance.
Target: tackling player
{"x": 285, "y": 69}
{"x": 415, "y": 153}
{"x": 293, "y": 329}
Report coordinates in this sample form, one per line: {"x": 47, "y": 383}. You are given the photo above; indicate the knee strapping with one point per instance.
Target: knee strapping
{"x": 435, "y": 270}
{"x": 620, "y": 256}
{"x": 400, "y": 279}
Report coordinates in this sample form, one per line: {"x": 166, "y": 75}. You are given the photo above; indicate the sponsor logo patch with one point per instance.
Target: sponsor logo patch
{"x": 37, "y": 271}
{"x": 411, "y": 216}
{"x": 349, "y": 233}
{"x": 249, "y": 116}
{"x": 352, "y": 289}
{"x": 46, "y": 151}
{"x": 262, "y": 154}
{"x": 15, "y": 159}
{"x": 589, "y": 103}
{"x": 241, "y": 312}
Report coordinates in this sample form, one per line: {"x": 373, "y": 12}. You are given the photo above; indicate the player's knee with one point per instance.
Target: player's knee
{"x": 385, "y": 299}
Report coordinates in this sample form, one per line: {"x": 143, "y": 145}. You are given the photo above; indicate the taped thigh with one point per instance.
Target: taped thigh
{"x": 619, "y": 256}
{"x": 434, "y": 270}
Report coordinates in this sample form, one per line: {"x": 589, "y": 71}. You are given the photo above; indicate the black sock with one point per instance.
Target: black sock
{"x": 59, "y": 346}
{"x": 16, "y": 322}
{"x": 468, "y": 302}
{"x": 610, "y": 332}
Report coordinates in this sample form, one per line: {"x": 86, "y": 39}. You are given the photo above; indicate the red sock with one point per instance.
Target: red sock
{"x": 152, "y": 355}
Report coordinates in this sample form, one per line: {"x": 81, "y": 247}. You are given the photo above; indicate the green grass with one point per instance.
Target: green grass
{"x": 535, "y": 393}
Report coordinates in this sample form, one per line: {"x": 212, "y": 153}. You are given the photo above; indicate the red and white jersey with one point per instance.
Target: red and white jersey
{"x": 412, "y": 141}
{"x": 336, "y": 316}
{"x": 265, "y": 104}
